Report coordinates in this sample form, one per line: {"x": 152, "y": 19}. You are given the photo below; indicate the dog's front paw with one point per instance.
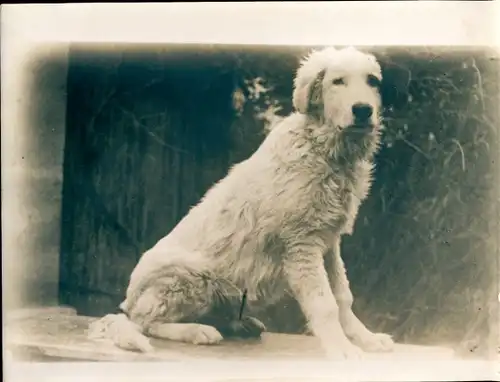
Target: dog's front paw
{"x": 374, "y": 342}
{"x": 344, "y": 351}
{"x": 361, "y": 336}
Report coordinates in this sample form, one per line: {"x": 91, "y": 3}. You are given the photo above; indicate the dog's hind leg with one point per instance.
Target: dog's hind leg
{"x": 354, "y": 329}
{"x": 181, "y": 304}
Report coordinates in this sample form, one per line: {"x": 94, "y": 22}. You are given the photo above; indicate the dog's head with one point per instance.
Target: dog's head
{"x": 341, "y": 88}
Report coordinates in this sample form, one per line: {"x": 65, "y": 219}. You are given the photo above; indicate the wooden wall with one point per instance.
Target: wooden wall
{"x": 148, "y": 133}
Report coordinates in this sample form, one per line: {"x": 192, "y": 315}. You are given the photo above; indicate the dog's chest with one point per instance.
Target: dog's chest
{"x": 341, "y": 195}
{"x": 349, "y": 202}
{"x": 338, "y": 194}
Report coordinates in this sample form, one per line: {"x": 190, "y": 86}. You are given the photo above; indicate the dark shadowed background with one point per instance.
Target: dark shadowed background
{"x": 149, "y": 129}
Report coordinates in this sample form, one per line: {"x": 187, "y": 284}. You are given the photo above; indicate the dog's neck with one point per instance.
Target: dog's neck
{"x": 340, "y": 148}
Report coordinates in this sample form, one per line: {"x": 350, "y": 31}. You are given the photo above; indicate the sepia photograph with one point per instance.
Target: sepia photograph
{"x": 236, "y": 203}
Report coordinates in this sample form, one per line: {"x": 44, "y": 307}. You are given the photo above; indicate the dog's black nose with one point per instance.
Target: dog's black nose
{"x": 362, "y": 111}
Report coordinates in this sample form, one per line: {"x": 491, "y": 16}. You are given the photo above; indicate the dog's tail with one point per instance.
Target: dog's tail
{"x": 124, "y": 333}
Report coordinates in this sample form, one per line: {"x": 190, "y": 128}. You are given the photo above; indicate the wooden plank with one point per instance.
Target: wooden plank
{"x": 64, "y": 336}
{"x": 22, "y": 314}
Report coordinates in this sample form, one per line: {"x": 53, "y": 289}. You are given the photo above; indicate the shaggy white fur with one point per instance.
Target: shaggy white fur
{"x": 273, "y": 225}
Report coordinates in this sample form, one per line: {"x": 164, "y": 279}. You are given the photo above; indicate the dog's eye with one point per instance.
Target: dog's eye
{"x": 373, "y": 81}
{"x": 338, "y": 81}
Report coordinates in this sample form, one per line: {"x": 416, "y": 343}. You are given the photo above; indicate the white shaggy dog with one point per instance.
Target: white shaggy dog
{"x": 272, "y": 226}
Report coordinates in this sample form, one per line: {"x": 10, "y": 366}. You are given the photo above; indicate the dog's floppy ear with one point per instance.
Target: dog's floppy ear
{"x": 316, "y": 93}
{"x": 308, "y": 88}
{"x": 307, "y": 92}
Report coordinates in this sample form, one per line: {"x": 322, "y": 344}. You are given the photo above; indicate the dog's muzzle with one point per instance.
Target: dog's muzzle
{"x": 362, "y": 114}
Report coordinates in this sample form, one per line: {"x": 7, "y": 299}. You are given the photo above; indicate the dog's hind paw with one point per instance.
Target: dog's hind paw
{"x": 247, "y": 327}
{"x": 252, "y": 326}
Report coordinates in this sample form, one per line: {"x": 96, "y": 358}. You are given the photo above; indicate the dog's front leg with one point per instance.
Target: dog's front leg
{"x": 309, "y": 284}
{"x": 353, "y": 327}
